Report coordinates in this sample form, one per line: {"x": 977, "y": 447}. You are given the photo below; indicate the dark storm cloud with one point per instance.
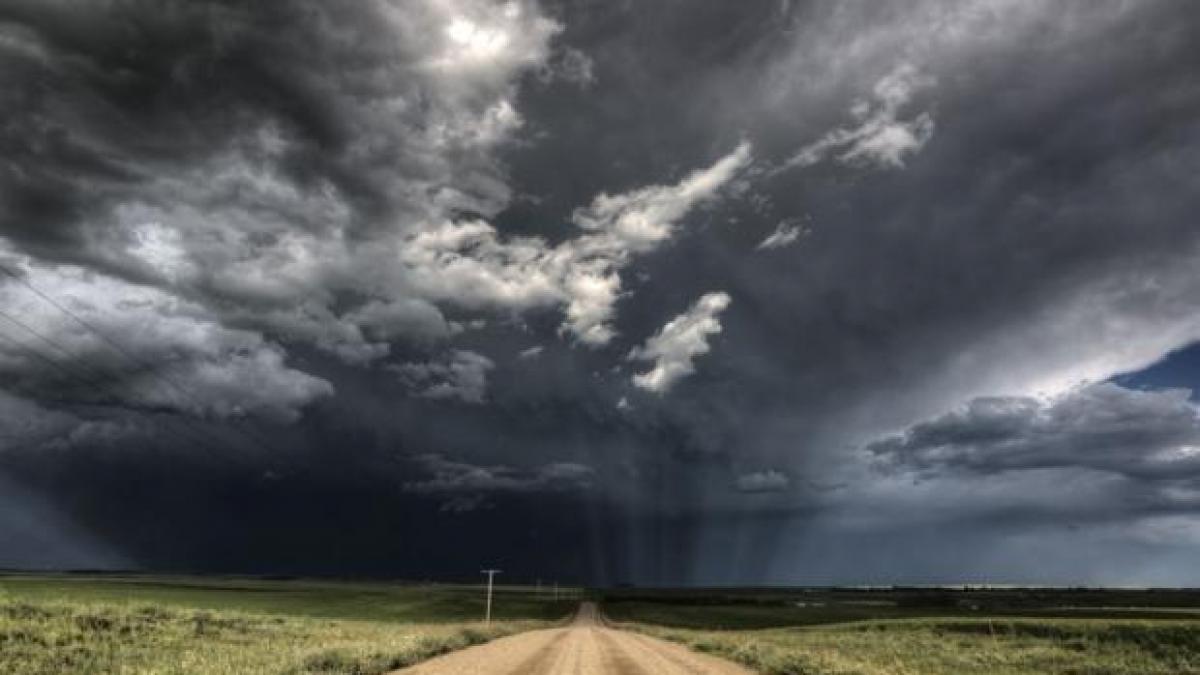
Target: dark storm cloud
{"x": 376, "y": 232}
{"x": 262, "y": 161}
{"x": 102, "y": 100}
{"x": 466, "y": 487}
{"x": 769, "y": 480}
{"x": 38, "y": 535}
{"x": 462, "y": 376}
{"x": 110, "y": 343}
{"x": 1147, "y": 435}
{"x": 1039, "y": 235}
{"x": 965, "y": 272}
{"x": 320, "y": 517}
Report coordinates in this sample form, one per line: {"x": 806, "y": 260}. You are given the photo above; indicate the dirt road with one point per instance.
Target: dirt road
{"x": 584, "y": 647}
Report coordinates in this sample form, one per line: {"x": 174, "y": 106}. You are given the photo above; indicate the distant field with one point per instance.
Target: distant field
{"x": 311, "y": 598}
{"x": 141, "y": 625}
{"x": 928, "y": 632}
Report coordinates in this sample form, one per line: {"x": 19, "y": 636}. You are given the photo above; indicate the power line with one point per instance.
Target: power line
{"x": 40, "y": 356}
{"x": 92, "y": 379}
{"x": 100, "y": 380}
{"x": 127, "y": 354}
{"x": 111, "y": 343}
{"x": 88, "y": 381}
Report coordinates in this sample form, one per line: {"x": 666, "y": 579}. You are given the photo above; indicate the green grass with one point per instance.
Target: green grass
{"x": 134, "y": 625}
{"x": 53, "y": 637}
{"x": 739, "y": 616}
{"x": 759, "y": 616}
{"x": 879, "y": 636}
{"x": 144, "y": 625}
{"x": 312, "y": 598}
{"x": 957, "y": 647}
{"x": 735, "y": 609}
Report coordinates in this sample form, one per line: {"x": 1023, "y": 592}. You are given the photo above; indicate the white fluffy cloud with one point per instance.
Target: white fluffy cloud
{"x": 880, "y": 138}
{"x": 470, "y": 265}
{"x": 785, "y": 234}
{"x": 621, "y": 225}
{"x": 674, "y": 348}
{"x": 531, "y": 353}
{"x": 461, "y": 375}
{"x": 640, "y": 220}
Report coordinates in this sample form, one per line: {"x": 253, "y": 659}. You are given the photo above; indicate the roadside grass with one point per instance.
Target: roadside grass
{"x": 952, "y": 646}
{"x": 200, "y": 626}
{"x": 54, "y": 637}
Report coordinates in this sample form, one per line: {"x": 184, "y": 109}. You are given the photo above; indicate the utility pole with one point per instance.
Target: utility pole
{"x": 487, "y": 617}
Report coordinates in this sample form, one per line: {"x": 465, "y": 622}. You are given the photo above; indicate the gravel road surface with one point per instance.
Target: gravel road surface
{"x": 584, "y": 647}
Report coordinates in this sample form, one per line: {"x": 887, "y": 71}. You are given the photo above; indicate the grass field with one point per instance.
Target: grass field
{"x": 929, "y": 632}
{"x": 136, "y": 625}
{"x": 208, "y": 625}
{"x": 309, "y": 598}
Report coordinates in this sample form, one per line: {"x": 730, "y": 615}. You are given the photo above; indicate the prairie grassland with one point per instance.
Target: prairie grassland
{"x": 746, "y": 609}
{"x": 975, "y": 646}
{"x": 374, "y": 601}
{"x": 54, "y": 637}
{"x": 144, "y": 625}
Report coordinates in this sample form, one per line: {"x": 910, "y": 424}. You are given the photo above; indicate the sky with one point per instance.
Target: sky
{"x": 672, "y": 293}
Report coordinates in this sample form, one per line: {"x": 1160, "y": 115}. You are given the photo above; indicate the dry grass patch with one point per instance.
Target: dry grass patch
{"x": 49, "y": 638}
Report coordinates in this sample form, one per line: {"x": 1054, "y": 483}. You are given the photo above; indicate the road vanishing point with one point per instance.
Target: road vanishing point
{"x": 586, "y": 646}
